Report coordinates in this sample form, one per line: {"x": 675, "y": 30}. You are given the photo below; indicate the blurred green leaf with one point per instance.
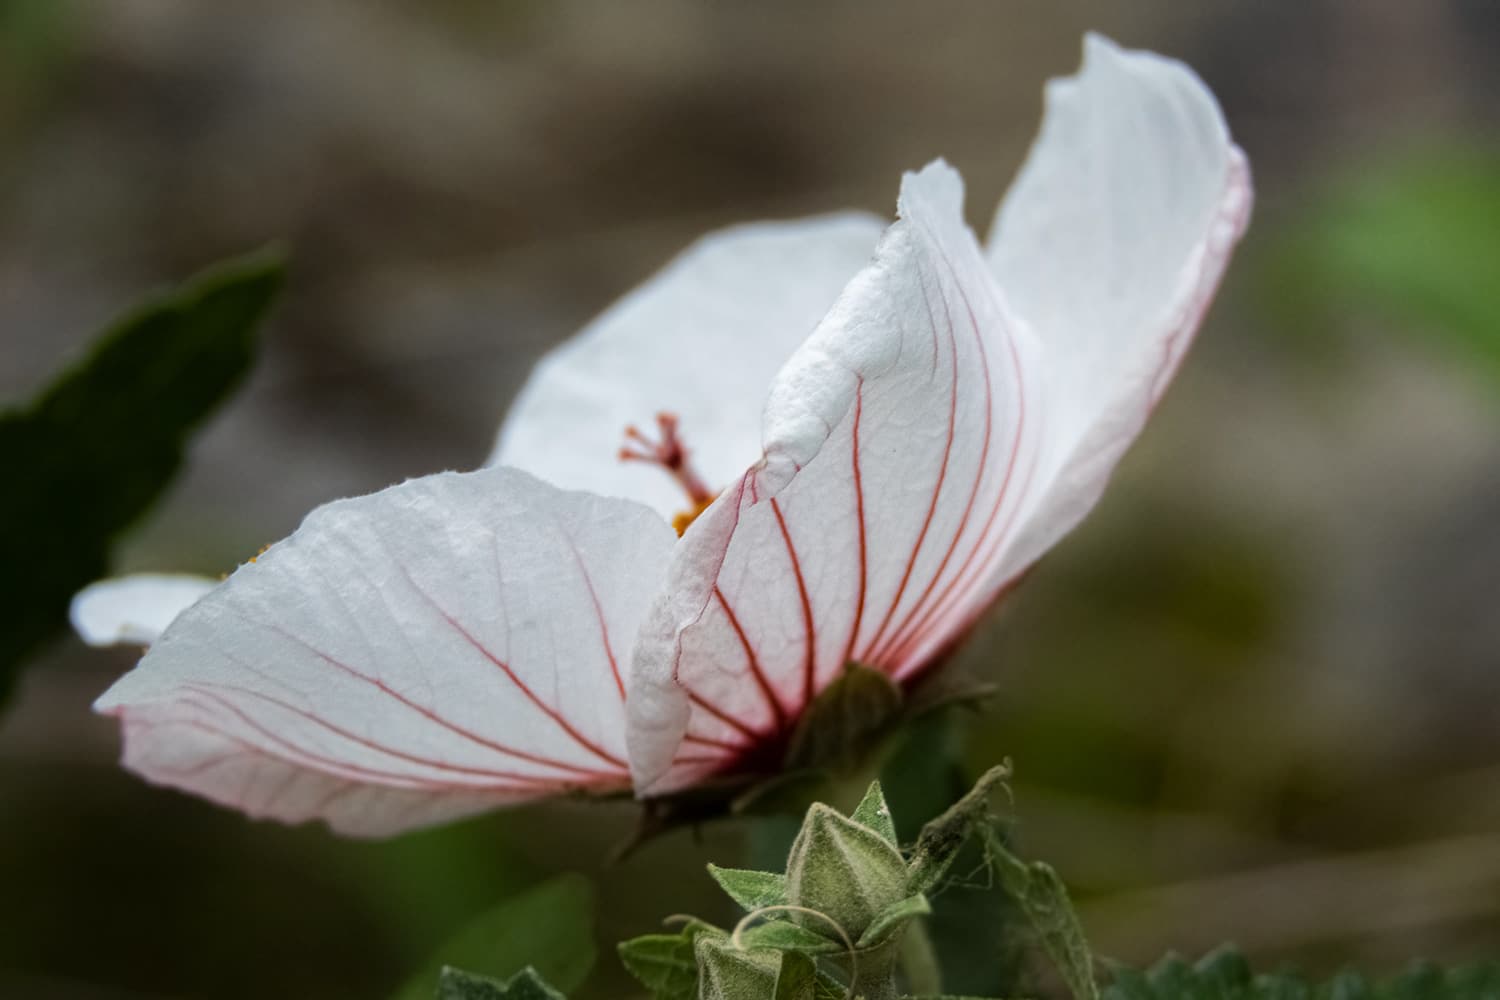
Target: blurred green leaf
{"x": 90, "y": 454}
{"x": 550, "y": 928}
{"x": 456, "y": 984}
{"x": 1411, "y": 236}
{"x": 751, "y": 889}
{"x": 1225, "y": 975}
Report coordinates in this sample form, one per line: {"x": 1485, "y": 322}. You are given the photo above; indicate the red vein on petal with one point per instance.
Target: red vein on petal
{"x": 953, "y": 594}
{"x": 588, "y": 582}
{"x": 937, "y": 489}
{"x": 531, "y": 696}
{"x": 723, "y": 716}
{"x": 777, "y": 710}
{"x": 210, "y": 691}
{"x": 859, "y": 506}
{"x": 709, "y": 741}
{"x": 422, "y": 710}
{"x": 809, "y": 668}
{"x": 899, "y": 638}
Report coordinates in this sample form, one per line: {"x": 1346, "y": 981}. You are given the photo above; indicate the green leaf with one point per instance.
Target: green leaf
{"x": 751, "y": 889}
{"x": 892, "y": 918}
{"x": 456, "y": 984}
{"x": 873, "y": 812}
{"x": 97, "y": 447}
{"x": 665, "y": 963}
{"x": 550, "y": 927}
{"x": 1225, "y": 975}
{"x": 1044, "y": 900}
{"x": 846, "y": 723}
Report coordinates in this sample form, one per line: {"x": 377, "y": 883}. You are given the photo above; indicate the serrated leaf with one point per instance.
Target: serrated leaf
{"x": 1043, "y": 898}
{"x": 549, "y": 927}
{"x": 95, "y": 449}
{"x": 873, "y": 812}
{"x": 892, "y": 918}
{"x": 751, "y": 889}
{"x": 665, "y": 963}
{"x": 456, "y": 984}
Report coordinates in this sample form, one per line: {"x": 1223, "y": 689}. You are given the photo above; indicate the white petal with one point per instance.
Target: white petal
{"x": 702, "y": 340}
{"x": 133, "y": 609}
{"x": 897, "y": 444}
{"x": 440, "y": 646}
{"x": 1110, "y": 245}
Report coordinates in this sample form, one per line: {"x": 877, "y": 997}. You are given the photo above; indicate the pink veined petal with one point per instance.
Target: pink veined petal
{"x": 1110, "y": 246}
{"x": 702, "y": 339}
{"x": 133, "y": 609}
{"x": 447, "y": 644}
{"x": 897, "y": 443}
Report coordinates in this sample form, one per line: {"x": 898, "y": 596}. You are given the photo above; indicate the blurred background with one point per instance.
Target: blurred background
{"x": 1255, "y": 698}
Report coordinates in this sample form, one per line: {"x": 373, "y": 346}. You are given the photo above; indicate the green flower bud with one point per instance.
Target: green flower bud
{"x": 729, "y": 973}
{"x": 842, "y": 869}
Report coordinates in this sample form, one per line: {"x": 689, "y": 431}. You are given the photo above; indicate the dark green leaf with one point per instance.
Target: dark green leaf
{"x": 798, "y": 978}
{"x": 90, "y": 454}
{"x": 1225, "y": 975}
{"x": 783, "y": 935}
{"x": 550, "y": 927}
{"x": 665, "y": 963}
{"x": 751, "y": 889}
{"x": 455, "y": 984}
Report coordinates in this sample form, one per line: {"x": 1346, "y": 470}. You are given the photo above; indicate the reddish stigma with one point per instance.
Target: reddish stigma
{"x": 669, "y": 452}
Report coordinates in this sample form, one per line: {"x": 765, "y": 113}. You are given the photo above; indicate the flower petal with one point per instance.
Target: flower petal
{"x": 133, "y": 609}
{"x": 702, "y": 340}
{"x": 1110, "y": 245}
{"x": 426, "y": 651}
{"x": 897, "y": 444}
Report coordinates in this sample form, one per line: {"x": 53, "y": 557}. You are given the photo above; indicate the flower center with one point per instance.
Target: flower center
{"x": 669, "y": 452}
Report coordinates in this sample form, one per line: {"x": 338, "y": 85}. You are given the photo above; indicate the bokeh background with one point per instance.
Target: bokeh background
{"x": 1255, "y": 698}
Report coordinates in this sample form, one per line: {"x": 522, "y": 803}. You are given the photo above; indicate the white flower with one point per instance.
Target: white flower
{"x": 949, "y": 410}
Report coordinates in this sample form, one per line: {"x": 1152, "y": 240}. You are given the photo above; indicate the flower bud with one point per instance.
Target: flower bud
{"x": 726, "y": 972}
{"x": 844, "y": 870}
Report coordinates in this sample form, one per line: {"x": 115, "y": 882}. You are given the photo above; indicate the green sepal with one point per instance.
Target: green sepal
{"x": 666, "y": 963}
{"x": 873, "y": 812}
{"x": 753, "y": 890}
{"x": 456, "y": 984}
{"x": 844, "y": 870}
{"x": 783, "y": 935}
{"x": 846, "y": 723}
{"x": 727, "y": 972}
{"x": 892, "y": 919}
{"x": 797, "y": 978}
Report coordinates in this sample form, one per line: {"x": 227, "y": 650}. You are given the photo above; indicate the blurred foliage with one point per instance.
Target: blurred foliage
{"x": 550, "y": 928}
{"x": 96, "y": 448}
{"x": 1412, "y": 237}
{"x": 1226, "y": 975}
{"x": 36, "y": 38}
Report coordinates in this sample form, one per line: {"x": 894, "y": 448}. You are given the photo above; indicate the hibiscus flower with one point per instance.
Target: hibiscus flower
{"x": 939, "y": 413}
